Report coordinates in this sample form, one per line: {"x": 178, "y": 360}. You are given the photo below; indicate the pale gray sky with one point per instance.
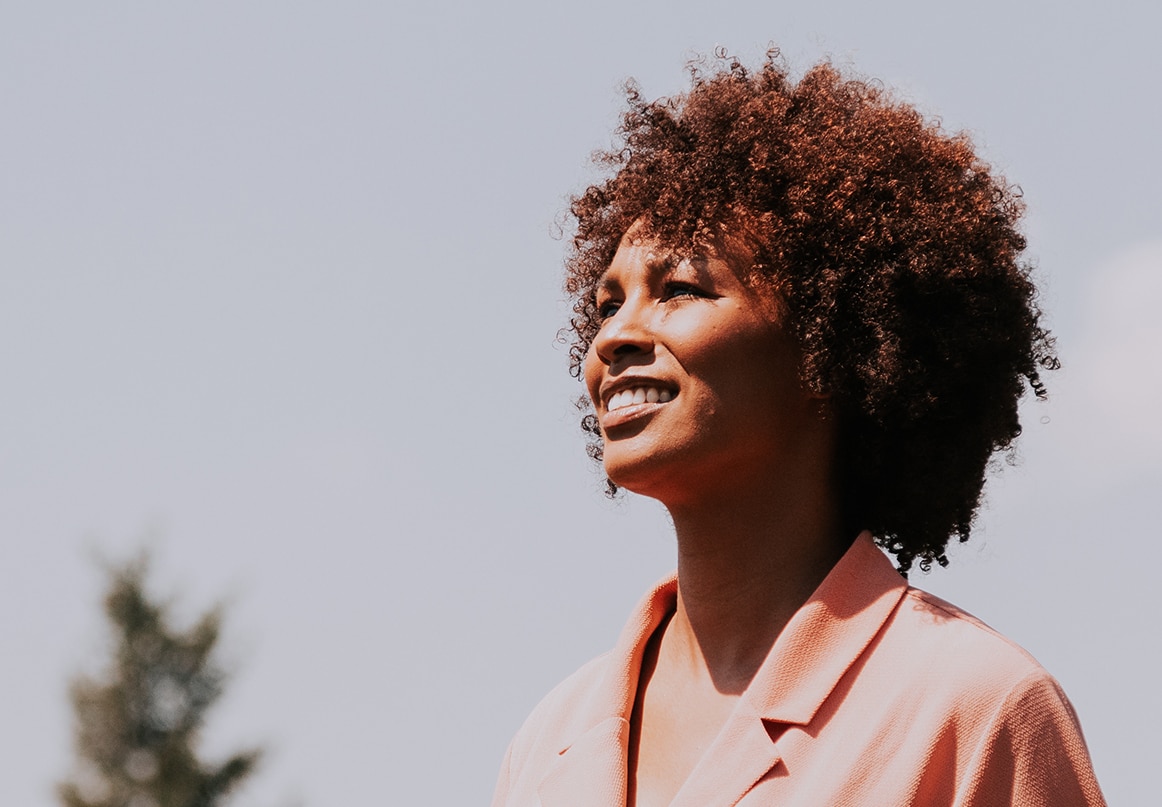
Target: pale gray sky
{"x": 278, "y": 288}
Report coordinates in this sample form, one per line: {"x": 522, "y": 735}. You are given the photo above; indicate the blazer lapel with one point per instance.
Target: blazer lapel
{"x": 591, "y": 771}
{"x": 827, "y": 635}
{"x": 820, "y": 643}
{"x": 742, "y": 754}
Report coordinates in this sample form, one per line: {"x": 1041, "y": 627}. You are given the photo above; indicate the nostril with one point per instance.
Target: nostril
{"x": 626, "y": 348}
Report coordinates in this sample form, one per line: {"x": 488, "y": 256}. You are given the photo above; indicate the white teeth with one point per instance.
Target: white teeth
{"x": 638, "y": 395}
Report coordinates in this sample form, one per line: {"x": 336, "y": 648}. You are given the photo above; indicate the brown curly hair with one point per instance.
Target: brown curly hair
{"x": 896, "y": 252}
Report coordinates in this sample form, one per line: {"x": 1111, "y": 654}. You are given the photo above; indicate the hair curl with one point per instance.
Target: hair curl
{"x": 896, "y": 252}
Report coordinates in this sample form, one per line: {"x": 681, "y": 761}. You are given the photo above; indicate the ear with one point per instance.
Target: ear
{"x": 820, "y": 402}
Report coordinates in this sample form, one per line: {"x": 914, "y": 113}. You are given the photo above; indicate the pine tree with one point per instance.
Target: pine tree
{"x": 137, "y": 724}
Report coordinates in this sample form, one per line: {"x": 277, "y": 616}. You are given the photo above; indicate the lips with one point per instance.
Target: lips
{"x": 629, "y": 399}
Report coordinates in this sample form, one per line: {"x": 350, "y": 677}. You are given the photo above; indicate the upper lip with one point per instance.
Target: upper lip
{"x": 614, "y": 385}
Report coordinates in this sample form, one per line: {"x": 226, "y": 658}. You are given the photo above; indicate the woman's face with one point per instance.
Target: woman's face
{"x": 693, "y": 379}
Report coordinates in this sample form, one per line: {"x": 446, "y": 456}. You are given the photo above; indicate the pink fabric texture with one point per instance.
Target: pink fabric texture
{"x": 875, "y": 693}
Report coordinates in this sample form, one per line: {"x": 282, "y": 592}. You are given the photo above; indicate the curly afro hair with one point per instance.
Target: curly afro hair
{"x": 894, "y": 248}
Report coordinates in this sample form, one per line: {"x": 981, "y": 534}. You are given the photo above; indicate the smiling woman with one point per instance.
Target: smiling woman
{"x": 804, "y": 328}
{"x": 723, "y": 373}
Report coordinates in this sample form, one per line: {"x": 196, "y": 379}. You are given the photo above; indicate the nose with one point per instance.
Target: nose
{"x": 625, "y": 333}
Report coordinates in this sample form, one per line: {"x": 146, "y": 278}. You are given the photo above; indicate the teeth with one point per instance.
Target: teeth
{"x": 638, "y": 395}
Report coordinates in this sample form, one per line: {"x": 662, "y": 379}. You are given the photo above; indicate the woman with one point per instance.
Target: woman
{"x": 804, "y": 328}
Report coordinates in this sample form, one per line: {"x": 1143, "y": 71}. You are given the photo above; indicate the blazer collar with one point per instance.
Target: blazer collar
{"x": 590, "y": 771}
{"x": 820, "y": 643}
{"x": 826, "y": 635}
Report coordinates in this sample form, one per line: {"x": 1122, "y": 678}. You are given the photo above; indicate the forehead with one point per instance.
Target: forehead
{"x": 643, "y": 253}
{"x": 638, "y": 250}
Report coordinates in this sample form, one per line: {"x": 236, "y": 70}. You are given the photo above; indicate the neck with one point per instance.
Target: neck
{"x": 747, "y": 560}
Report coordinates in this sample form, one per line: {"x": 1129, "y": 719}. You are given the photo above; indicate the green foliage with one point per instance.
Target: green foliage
{"x": 137, "y": 724}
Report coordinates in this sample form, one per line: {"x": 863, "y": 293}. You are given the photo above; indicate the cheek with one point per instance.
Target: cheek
{"x": 755, "y": 367}
{"x": 591, "y": 373}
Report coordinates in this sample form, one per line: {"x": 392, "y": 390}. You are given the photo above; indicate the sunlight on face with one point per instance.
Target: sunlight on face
{"x": 693, "y": 378}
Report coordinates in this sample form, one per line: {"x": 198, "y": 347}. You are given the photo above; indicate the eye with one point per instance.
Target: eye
{"x": 607, "y": 309}
{"x": 677, "y": 290}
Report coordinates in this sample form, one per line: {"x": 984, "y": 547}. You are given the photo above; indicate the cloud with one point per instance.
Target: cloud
{"x": 1114, "y": 373}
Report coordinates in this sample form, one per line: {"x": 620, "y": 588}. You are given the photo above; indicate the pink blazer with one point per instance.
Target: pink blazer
{"x": 875, "y": 693}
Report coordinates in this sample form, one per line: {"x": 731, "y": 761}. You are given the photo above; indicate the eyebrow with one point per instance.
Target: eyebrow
{"x": 655, "y": 265}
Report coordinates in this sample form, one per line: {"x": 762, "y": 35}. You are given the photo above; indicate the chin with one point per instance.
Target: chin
{"x": 646, "y": 473}
{"x": 630, "y": 473}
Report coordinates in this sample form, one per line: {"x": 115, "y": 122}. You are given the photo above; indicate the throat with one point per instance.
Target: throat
{"x": 676, "y": 719}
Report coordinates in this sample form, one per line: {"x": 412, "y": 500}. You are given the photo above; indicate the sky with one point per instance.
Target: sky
{"x": 279, "y": 299}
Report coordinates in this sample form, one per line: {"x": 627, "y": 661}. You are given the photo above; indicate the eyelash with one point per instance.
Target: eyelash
{"x": 676, "y": 289}
{"x": 670, "y": 291}
{"x": 607, "y": 309}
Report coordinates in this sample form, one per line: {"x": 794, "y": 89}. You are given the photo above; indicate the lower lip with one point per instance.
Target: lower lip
{"x": 627, "y": 414}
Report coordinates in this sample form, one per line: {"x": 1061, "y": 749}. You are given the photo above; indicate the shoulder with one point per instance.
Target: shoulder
{"x": 951, "y": 641}
{"x": 959, "y": 636}
{"x": 592, "y": 705}
{"x": 949, "y": 660}
{"x": 566, "y": 711}
{"x": 937, "y": 664}
{"x": 979, "y": 701}
{"x": 582, "y": 716}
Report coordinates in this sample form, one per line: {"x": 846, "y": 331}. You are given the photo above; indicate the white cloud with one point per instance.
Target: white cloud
{"x": 1113, "y": 378}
